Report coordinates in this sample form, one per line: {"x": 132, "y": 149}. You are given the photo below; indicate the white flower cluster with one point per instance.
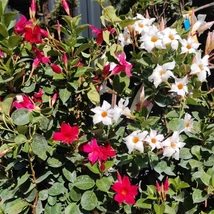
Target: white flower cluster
{"x": 107, "y": 115}
{"x": 151, "y": 37}
{"x": 171, "y": 146}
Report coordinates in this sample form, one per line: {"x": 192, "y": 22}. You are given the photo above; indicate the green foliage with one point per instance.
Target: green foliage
{"x": 46, "y": 168}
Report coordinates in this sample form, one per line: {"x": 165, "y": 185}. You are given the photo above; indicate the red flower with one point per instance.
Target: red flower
{"x": 20, "y": 25}
{"x": 33, "y": 35}
{"x": 158, "y": 188}
{"x": 107, "y": 152}
{"x": 37, "y": 97}
{"x": 99, "y": 33}
{"x": 67, "y": 133}
{"x": 125, "y": 192}
{"x": 166, "y": 185}
{"x": 57, "y": 69}
{"x": 23, "y": 101}
{"x": 94, "y": 151}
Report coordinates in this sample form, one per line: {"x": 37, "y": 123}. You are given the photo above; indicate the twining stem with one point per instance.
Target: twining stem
{"x": 34, "y": 179}
{"x": 204, "y": 6}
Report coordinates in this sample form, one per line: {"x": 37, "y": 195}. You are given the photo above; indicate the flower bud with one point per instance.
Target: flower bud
{"x": 66, "y": 7}
{"x": 57, "y": 69}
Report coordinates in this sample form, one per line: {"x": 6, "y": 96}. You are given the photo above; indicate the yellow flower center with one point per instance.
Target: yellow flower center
{"x": 171, "y": 37}
{"x": 180, "y": 86}
{"x": 135, "y": 139}
{"x": 153, "y": 140}
{"x": 162, "y": 72}
{"x": 154, "y": 39}
{"x": 140, "y": 25}
{"x": 187, "y": 124}
{"x": 201, "y": 67}
{"x": 188, "y": 46}
{"x": 124, "y": 192}
{"x": 172, "y": 145}
{"x": 104, "y": 114}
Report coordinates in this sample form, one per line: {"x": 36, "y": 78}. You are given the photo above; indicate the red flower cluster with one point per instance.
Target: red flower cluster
{"x": 67, "y": 133}
{"x": 125, "y": 192}
{"x": 98, "y": 153}
{"x": 32, "y": 32}
{"x": 99, "y": 33}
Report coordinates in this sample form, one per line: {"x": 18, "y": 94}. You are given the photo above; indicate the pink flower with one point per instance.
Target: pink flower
{"x": 125, "y": 192}
{"x": 37, "y": 97}
{"x": 23, "y": 101}
{"x": 123, "y": 65}
{"x": 57, "y": 69}
{"x": 20, "y": 25}
{"x": 94, "y": 151}
{"x": 66, "y": 7}
{"x": 99, "y": 33}
{"x": 67, "y": 133}
{"x": 40, "y": 57}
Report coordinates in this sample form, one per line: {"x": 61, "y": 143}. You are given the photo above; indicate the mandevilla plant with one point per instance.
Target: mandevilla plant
{"x": 115, "y": 124}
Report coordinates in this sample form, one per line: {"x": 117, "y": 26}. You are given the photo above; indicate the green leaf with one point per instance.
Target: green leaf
{"x": 109, "y": 14}
{"x": 3, "y": 5}
{"x": 176, "y": 124}
{"x": 56, "y": 209}
{"x": 106, "y": 35}
{"x": 72, "y": 209}
{"x": 84, "y": 182}
{"x": 88, "y": 200}
{"x": 53, "y": 162}
{"x": 21, "y": 117}
{"x": 43, "y": 176}
{"x": 74, "y": 195}
{"x": 39, "y": 146}
{"x": 93, "y": 95}
{"x": 16, "y": 206}
{"x": 169, "y": 210}
{"x": 121, "y": 82}
{"x": 205, "y": 178}
{"x": 199, "y": 196}
{"x": 7, "y": 103}
{"x": 196, "y": 151}
{"x": 68, "y": 175}
{"x": 14, "y": 41}
{"x": 57, "y": 189}
{"x": 43, "y": 195}
{"x": 159, "y": 209}
{"x": 142, "y": 204}
{"x": 81, "y": 48}
{"x": 104, "y": 184}
{"x": 127, "y": 22}
{"x": 39, "y": 208}
{"x": 93, "y": 168}
{"x": 64, "y": 95}
{"x": 3, "y": 30}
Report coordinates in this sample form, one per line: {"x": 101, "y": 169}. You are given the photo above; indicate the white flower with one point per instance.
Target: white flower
{"x": 152, "y": 39}
{"x": 170, "y": 36}
{"x": 124, "y": 37}
{"x": 142, "y": 25}
{"x": 162, "y": 73}
{"x": 103, "y": 114}
{"x": 171, "y": 146}
{"x": 189, "y": 45}
{"x": 121, "y": 109}
{"x": 135, "y": 140}
{"x": 188, "y": 120}
{"x": 200, "y": 67}
{"x": 180, "y": 86}
{"x": 154, "y": 139}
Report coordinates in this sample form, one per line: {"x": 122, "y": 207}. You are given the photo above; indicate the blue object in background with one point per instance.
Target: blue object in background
{"x": 186, "y": 24}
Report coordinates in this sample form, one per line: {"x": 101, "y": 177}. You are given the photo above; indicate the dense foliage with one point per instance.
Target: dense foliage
{"x": 115, "y": 124}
